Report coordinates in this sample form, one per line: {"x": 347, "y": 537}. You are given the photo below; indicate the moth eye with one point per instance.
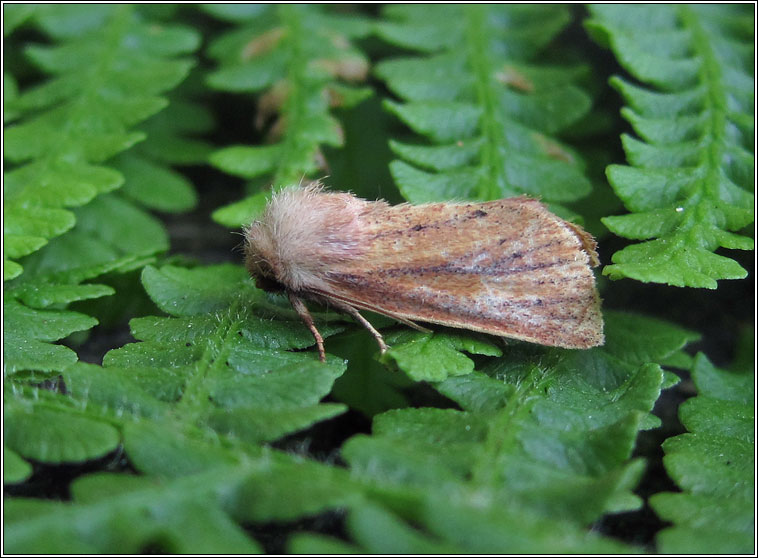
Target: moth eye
{"x": 268, "y": 284}
{"x": 264, "y": 275}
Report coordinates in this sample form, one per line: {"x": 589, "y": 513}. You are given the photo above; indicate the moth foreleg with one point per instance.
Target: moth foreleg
{"x": 302, "y": 310}
{"x": 363, "y": 321}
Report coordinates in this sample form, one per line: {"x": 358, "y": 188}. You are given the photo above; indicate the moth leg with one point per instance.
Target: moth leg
{"x": 414, "y": 325}
{"x": 363, "y": 321}
{"x": 302, "y": 310}
{"x": 409, "y": 323}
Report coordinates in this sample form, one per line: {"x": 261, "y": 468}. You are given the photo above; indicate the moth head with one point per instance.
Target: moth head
{"x": 261, "y": 260}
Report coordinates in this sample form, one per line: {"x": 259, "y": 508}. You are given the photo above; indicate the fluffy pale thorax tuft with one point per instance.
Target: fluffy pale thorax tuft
{"x": 304, "y": 232}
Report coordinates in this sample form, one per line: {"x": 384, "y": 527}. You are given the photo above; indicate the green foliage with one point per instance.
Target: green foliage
{"x": 111, "y": 235}
{"x": 523, "y": 463}
{"x": 194, "y": 398}
{"x": 106, "y": 69}
{"x": 209, "y": 425}
{"x": 212, "y": 349}
{"x": 196, "y": 394}
{"x": 15, "y": 469}
{"x": 691, "y": 175}
{"x": 301, "y": 61}
{"x": 486, "y": 100}
{"x": 714, "y": 465}
{"x": 128, "y": 513}
{"x": 435, "y": 356}
{"x": 28, "y": 332}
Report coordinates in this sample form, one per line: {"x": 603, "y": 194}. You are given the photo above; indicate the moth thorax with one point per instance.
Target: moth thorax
{"x": 302, "y": 234}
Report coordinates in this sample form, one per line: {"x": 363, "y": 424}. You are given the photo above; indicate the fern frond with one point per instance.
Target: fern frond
{"x": 186, "y": 511}
{"x": 191, "y": 402}
{"x": 544, "y": 437}
{"x": 300, "y": 61}
{"x": 131, "y": 513}
{"x": 486, "y": 105}
{"x": 111, "y": 235}
{"x": 714, "y": 465}
{"x": 170, "y": 141}
{"x": 108, "y": 68}
{"x": 28, "y": 333}
{"x": 194, "y": 400}
{"x": 690, "y": 182}
{"x": 148, "y": 178}
{"x": 214, "y": 347}
{"x": 203, "y": 388}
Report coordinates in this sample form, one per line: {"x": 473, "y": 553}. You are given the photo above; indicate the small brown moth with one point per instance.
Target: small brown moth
{"x": 506, "y": 267}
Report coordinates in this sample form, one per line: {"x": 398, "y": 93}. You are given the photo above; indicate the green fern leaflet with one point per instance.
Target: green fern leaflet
{"x": 689, "y": 186}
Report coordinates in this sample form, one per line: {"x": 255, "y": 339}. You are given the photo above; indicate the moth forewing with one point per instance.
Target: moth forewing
{"x": 507, "y": 267}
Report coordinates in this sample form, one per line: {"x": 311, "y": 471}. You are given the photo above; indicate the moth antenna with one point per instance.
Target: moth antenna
{"x": 302, "y": 310}
{"x": 241, "y": 245}
{"x": 339, "y": 305}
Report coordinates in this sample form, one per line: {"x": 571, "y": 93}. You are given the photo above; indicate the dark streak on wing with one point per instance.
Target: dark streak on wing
{"x": 477, "y": 214}
{"x": 457, "y": 269}
{"x": 496, "y": 269}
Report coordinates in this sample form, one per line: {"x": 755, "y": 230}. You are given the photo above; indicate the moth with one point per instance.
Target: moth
{"x": 508, "y": 267}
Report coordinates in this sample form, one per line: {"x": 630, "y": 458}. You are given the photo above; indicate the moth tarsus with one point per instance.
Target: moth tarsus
{"x": 507, "y": 267}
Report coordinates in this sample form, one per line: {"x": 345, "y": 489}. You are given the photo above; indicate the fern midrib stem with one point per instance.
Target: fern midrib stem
{"x": 491, "y": 127}
{"x": 195, "y": 401}
{"x": 503, "y": 429}
{"x": 715, "y": 105}
{"x": 294, "y": 105}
